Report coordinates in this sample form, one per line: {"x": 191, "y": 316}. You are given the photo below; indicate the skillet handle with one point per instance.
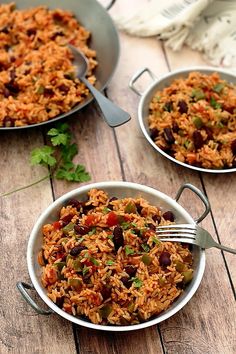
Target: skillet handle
{"x": 199, "y": 194}
{"x": 21, "y": 286}
{"x": 137, "y": 75}
{"x": 110, "y": 4}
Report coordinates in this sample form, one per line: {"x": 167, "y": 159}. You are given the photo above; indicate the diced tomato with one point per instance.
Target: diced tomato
{"x": 18, "y": 62}
{"x": 87, "y": 262}
{"x": 112, "y": 219}
{"x": 90, "y": 220}
{"x": 57, "y": 225}
{"x": 60, "y": 255}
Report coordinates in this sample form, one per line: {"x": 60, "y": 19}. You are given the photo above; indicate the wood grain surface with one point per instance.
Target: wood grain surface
{"x": 207, "y": 323}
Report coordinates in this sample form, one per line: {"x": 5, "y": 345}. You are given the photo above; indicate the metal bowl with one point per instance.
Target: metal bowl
{"x": 95, "y": 18}
{"x": 121, "y": 190}
{"x": 160, "y": 84}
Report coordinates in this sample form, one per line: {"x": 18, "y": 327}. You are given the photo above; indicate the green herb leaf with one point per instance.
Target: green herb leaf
{"x": 128, "y": 250}
{"x": 60, "y": 135}
{"x": 109, "y": 262}
{"x": 137, "y": 282}
{"x": 43, "y": 156}
{"x": 110, "y": 237}
{"x": 71, "y": 172}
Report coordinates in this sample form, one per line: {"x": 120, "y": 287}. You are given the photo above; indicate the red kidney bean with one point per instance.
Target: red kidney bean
{"x": 76, "y": 250}
{"x": 13, "y": 87}
{"x": 156, "y": 218}
{"x": 67, "y": 218}
{"x": 209, "y": 133}
{"x": 126, "y": 281}
{"x": 106, "y": 292}
{"x": 118, "y": 238}
{"x": 64, "y": 88}
{"x": 139, "y": 208}
{"x": 197, "y": 139}
{"x": 164, "y": 259}
{"x": 5, "y": 30}
{"x": 48, "y": 92}
{"x": 87, "y": 208}
{"x": 168, "y": 136}
{"x": 168, "y": 215}
{"x": 175, "y": 127}
{"x": 151, "y": 226}
{"x": 31, "y": 32}
{"x": 110, "y": 206}
{"x": 234, "y": 162}
{"x": 81, "y": 229}
{"x": 183, "y": 107}
{"x": 154, "y": 133}
{"x": 233, "y": 147}
{"x": 130, "y": 270}
{"x": 75, "y": 203}
{"x": 60, "y": 301}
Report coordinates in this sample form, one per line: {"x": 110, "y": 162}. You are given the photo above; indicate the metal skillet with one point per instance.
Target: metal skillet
{"x": 104, "y": 39}
{"x": 160, "y": 84}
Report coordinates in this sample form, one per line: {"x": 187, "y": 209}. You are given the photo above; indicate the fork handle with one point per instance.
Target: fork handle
{"x": 224, "y": 248}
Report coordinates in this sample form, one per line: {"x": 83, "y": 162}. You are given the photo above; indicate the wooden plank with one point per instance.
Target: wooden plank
{"x": 141, "y": 342}
{"x": 21, "y": 329}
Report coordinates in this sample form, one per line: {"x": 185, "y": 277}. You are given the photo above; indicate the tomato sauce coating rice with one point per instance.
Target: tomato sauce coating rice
{"x": 37, "y": 76}
{"x": 194, "y": 121}
{"x": 102, "y": 259}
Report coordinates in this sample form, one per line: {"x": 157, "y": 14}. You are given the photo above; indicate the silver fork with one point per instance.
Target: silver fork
{"x": 189, "y": 233}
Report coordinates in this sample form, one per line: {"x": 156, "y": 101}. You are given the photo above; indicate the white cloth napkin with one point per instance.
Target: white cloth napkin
{"x": 205, "y": 25}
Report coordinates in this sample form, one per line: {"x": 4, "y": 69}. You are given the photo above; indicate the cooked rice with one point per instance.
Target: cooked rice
{"x": 194, "y": 120}
{"x": 90, "y": 270}
{"x": 37, "y": 76}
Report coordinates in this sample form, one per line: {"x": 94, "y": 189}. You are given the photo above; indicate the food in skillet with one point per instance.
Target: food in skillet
{"x": 37, "y": 77}
{"x": 102, "y": 259}
{"x": 194, "y": 121}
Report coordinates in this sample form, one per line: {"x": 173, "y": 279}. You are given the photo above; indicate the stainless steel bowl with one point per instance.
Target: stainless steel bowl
{"x": 160, "y": 84}
{"x": 121, "y": 190}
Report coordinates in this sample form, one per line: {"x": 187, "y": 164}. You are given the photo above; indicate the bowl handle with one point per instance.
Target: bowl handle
{"x": 136, "y": 76}
{"x": 21, "y": 286}
{"x": 199, "y": 194}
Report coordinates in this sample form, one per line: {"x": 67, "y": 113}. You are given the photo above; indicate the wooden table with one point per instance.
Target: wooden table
{"x": 207, "y": 322}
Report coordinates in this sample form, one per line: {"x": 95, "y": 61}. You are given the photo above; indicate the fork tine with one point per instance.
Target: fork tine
{"x": 172, "y": 231}
{"x": 178, "y": 226}
{"x": 183, "y": 240}
{"x": 186, "y": 235}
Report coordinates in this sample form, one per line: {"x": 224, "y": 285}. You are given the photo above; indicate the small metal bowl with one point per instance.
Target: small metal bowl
{"x": 160, "y": 84}
{"x": 120, "y": 190}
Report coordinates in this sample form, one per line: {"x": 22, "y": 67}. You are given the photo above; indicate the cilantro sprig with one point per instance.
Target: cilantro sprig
{"x": 58, "y": 157}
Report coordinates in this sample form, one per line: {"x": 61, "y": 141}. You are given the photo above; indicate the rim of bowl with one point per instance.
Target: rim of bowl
{"x": 141, "y": 118}
{"x": 114, "y": 328}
